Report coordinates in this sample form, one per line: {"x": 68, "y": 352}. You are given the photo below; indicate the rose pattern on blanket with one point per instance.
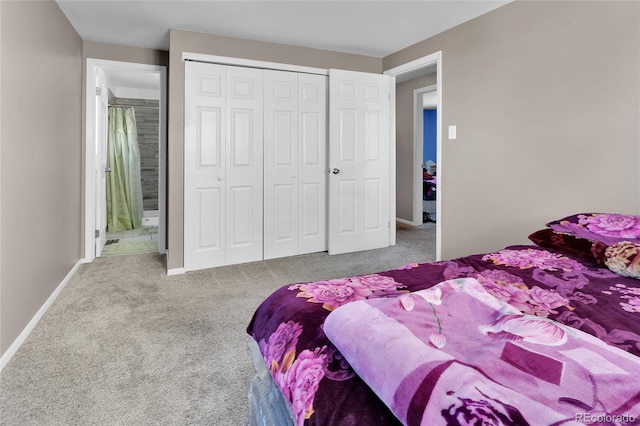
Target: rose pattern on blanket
{"x": 630, "y": 294}
{"x": 533, "y": 258}
{"x": 512, "y": 289}
{"x": 605, "y": 228}
{"x": 334, "y": 293}
{"x": 526, "y": 328}
{"x": 297, "y": 377}
{"x": 483, "y": 412}
{"x": 612, "y": 225}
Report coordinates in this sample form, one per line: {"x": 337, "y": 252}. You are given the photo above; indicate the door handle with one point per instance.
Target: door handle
{"x": 107, "y": 170}
{"x": 335, "y": 171}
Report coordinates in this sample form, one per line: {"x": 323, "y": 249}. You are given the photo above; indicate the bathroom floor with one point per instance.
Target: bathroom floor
{"x": 141, "y": 240}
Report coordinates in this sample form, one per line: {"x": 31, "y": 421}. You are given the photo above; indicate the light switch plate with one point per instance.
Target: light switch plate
{"x": 452, "y": 132}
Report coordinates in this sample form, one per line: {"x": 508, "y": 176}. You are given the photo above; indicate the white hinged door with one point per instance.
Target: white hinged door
{"x": 359, "y": 161}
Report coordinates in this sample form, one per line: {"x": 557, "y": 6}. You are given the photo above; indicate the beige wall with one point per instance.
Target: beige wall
{"x": 546, "y": 99}
{"x": 405, "y": 182}
{"x": 185, "y": 41}
{"x": 41, "y": 158}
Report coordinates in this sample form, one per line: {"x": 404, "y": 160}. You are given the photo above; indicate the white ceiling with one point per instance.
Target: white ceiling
{"x": 374, "y": 28}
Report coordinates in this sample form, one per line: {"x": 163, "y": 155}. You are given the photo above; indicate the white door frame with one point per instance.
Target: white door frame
{"x": 91, "y": 164}
{"x": 410, "y": 67}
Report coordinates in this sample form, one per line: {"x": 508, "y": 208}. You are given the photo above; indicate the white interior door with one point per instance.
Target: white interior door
{"x": 102, "y": 111}
{"x": 359, "y": 161}
{"x": 204, "y": 166}
{"x": 244, "y": 169}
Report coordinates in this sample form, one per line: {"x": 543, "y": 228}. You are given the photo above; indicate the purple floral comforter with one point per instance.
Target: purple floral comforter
{"x": 322, "y": 388}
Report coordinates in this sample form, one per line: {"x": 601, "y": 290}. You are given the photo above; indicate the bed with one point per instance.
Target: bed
{"x": 547, "y": 333}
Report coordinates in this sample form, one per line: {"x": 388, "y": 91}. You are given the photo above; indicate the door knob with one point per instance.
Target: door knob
{"x": 107, "y": 170}
{"x": 335, "y": 171}
{"x": 220, "y": 179}
{"x": 293, "y": 176}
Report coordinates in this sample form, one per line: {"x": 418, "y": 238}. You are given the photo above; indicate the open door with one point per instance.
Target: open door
{"x": 102, "y": 111}
{"x": 359, "y": 161}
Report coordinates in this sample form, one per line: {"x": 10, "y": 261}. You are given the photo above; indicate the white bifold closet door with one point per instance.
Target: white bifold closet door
{"x": 261, "y": 181}
{"x": 295, "y": 158}
{"x": 223, "y": 214}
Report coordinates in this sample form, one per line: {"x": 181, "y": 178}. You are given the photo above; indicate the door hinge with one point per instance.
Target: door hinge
{"x": 98, "y": 91}
{"x": 97, "y": 233}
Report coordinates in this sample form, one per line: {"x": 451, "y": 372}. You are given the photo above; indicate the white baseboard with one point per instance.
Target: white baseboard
{"x": 4, "y": 360}
{"x": 175, "y": 271}
{"x": 405, "y": 222}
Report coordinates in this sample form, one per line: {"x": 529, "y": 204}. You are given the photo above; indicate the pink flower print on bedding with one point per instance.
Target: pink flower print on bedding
{"x": 280, "y": 349}
{"x": 526, "y": 328}
{"x": 297, "y": 377}
{"x": 533, "y": 258}
{"x": 301, "y": 382}
{"x": 612, "y": 225}
{"x": 606, "y": 228}
{"x": 335, "y": 293}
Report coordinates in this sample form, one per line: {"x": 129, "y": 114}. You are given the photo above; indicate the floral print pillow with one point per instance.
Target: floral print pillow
{"x": 607, "y": 228}
{"x": 623, "y": 259}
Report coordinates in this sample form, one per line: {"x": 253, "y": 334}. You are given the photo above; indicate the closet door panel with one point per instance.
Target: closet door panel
{"x": 284, "y": 200}
{"x": 244, "y": 165}
{"x": 204, "y": 234}
{"x": 281, "y": 164}
{"x": 240, "y": 211}
{"x": 312, "y": 170}
{"x": 210, "y": 219}
{"x": 312, "y": 225}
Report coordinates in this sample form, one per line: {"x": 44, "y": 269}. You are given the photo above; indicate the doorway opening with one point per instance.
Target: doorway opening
{"x": 137, "y": 92}
{"x": 430, "y": 64}
{"x": 425, "y": 139}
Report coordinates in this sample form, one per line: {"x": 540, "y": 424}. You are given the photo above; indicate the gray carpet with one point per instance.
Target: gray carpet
{"x": 125, "y": 344}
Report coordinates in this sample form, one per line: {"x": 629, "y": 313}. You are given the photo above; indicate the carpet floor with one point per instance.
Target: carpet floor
{"x": 125, "y": 344}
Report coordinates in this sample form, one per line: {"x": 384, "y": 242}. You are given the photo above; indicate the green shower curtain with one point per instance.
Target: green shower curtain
{"x": 124, "y": 187}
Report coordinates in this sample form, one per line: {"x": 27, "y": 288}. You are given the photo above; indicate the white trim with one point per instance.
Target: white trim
{"x": 405, "y": 222}
{"x": 227, "y": 60}
{"x": 418, "y": 149}
{"x": 414, "y": 65}
{"x": 9, "y": 353}
{"x": 162, "y": 166}
{"x": 176, "y": 271}
{"x": 392, "y": 159}
{"x": 92, "y": 65}
{"x": 424, "y": 62}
